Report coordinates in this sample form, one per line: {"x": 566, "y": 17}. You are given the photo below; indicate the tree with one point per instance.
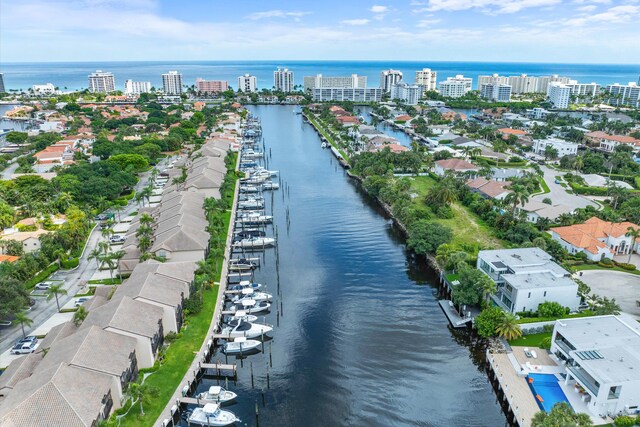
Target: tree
{"x": 7, "y": 215}
{"x": 13, "y": 295}
{"x": 550, "y": 152}
{"x": 487, "y": 321}
{"x": 552, "y": 309}
{"x": 79, "y": 316}
{"x": 23, "y": 319}
{"x": 54, "y": 291}
{"x": 425, "y": 236}
{"x": 508, "y": 327}
{"x": 518, "y": 196}
{"x": 634, "y": 233}
{"x": 142, "y": 392}
{"x": 561, "y": 415}
{"x": 472, "y": 287}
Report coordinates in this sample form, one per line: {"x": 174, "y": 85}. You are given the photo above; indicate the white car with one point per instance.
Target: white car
{"x": 24, "y": 348}
{"x": 43, "y": 286}
{"x": 81, "y": 301}
{"x": 117, "y": 239}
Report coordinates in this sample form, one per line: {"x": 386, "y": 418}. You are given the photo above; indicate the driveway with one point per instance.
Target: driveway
{"x": 624, "y": 287}
{"x": 558, "y": 194}
{"x": 635, "y": 259}
{"x": 74, "y": 280}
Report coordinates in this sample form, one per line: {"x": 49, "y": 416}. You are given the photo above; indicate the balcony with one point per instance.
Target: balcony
{"x": 562, "y": 345}
{"x": 585, "y": 379}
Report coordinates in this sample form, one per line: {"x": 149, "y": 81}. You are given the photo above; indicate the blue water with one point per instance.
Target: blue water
{"x": 73, "y": 75}
{"x": 546, "y": 385}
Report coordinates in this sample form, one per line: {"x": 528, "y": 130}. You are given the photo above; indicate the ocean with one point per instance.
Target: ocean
{"x": 73, "y": 75}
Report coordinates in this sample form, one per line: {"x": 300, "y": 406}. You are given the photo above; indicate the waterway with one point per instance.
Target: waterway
{"x": 361, "y": 340}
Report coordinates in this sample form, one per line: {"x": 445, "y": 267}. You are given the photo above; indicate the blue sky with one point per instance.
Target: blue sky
{"x": 583, "y": 31}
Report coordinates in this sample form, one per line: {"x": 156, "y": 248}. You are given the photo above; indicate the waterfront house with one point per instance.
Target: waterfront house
{"x": 597, "y": 238}
{"x": 601, "y": 359}
{"x": 609, "y": 143}
{"x": 489, "y": 188}
{"x": 454, "y": 165}
{"x": 527, "y": 277}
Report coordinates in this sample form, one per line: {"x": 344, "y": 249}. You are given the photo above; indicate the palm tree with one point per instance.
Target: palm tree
{"x": 23, "y": 319}
{"x": 634, "y": 233}
{"x": 508, "y": 328}
{"x": 116, "y": 257}
{"x": 518, "y": 196}
{"x": 578, "y": 163}
{"x": 487, "y": 286}
{"x": 54, "y": 291}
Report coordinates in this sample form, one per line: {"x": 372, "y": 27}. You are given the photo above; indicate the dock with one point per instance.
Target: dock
{"x": 220, "y": 367}
{"x": 455, "y": 319}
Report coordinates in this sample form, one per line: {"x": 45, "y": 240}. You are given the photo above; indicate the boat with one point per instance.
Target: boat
{"x": 255, "y": 242}
{"x": 241, "y": 328}
{"x": 260, "y": 171}
{"x": 218, "y": 394}
{"x": 251, "y": 154}
{"x": 249, "y": 189}
{"x": 245, "y": 284}
{"x": 249, "y": 232}
{"x": 270, "y": 185}
{"x": 240, "y": 345}
{"x": 255, "y": 219}
{"x": 252, "y": 294}
{"x": 251, "y": 306}
{"x": 212, "y": 415}
{"x": 324, "y": 145}
{"x": 242, "y": 315}
{"x": 242, "y": 264}
{"x": 251, "y": 204}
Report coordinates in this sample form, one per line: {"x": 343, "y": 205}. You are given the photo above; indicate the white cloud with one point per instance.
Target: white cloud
{"x": 588, "y": 8}
{"x": 355, "y": 22}
{"x": 276, "y": 14}
{"x": 489, "y": 6}
{"x": 379, "y": 9}
{"x": 614, "y": 15}
{"x": 424, "y": 23}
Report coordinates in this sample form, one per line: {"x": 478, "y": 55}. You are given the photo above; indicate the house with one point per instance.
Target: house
{"x": 535, "y": 209}
{"x": 597, "y": 238}
{"x": 488, "y": 188}
{"x": 348, "y": 120}
{"x": 454, "y": 165}
{"x": 600, "y": 356}
{"x": 527, "y": 277}
{"x": 609, "y": 142}
{"x": 8, "y": 258}
{"x": 395, "y": 148}
{"x": 563, "y": 148}
{"x": 30, "y": 239}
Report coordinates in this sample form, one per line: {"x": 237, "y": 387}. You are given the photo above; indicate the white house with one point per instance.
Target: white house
{"x": 601, "y": 357}
{"x": 564, "y": 148}
{"x": 527, "y": 277}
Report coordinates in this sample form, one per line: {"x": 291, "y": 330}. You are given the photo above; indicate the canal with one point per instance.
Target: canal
{"x": 361, "y": 340}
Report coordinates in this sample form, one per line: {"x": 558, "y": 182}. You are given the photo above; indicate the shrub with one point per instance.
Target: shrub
{"x": 624, "y": 421}
{"x": 606, "y": 261}
{"x": 68, "y": 264}
{"x": 626, "y": 266}
{"x": 546, "y": 343}
{"x": 552, "y": 309}
{"x": 547, "y": 201}
{"x": 444, "y": 212}
{"x": 602, "y": 264}
{"x": 487, "y": 321}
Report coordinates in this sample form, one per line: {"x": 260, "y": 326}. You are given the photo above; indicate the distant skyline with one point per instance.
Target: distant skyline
{"x": 551, "y": 31}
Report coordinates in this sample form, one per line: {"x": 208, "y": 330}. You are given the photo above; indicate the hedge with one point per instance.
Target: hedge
{"x": 68, "y": 264}
{"x": 43, "y": 275}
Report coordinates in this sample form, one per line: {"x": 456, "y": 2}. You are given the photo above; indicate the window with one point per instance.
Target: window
{"x": 545, "y": 293}
{"x": 529, "y": 295}
{"x": 614, "y": 392}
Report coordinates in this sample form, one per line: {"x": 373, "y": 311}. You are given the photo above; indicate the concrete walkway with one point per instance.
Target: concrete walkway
{"x": 624, "y": 287}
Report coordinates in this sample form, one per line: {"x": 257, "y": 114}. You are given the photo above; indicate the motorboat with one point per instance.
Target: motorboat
{"x": 255, "y": 242}
{"x": 252, "y": 154}
{"x": 212, "y": 415}
{"x": 249, "y": 189}
{"x": 242, "y": 315}
{"x": 241, "y": 328}
{"x": 245, "y": 197}
{"x": 218, "y": 394}
{"x": 260, "y": 171}
{"x": 249, "y": 232}
{"x": 251, "y": 204}
{"x": 240, "y": 345}
{"x": 252, "y": 294}
{"x": 324, "y": 145}
{"x": 251, "y": 306}
{"x": 255, "y": 219}
{"x": 244, "y": 284}
{"x": 270, "y": 185}
{"x": 242, "y": 264}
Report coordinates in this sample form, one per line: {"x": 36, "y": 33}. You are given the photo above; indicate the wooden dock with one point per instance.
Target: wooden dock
{"x": 455, "y": 319}
{"x": 219, "y": 367}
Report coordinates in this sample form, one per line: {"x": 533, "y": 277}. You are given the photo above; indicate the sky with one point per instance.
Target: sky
{"x": 567, "y": 31}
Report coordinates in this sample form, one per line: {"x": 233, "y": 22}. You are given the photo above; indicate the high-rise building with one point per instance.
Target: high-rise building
{"x": 559, "y": 94}
{"x": 388, "y": 78}
{"x": 348, "y": 82}
{"x": 247, "y": 83}
{"x": 455, "y": 87}
{"x": 370, "y": 94}
{"x": 45, "y": 89}
{"x": 584, "y": 89}
{"x": 523, "y": 84}
{"x": 544, "y": 81}
{"x": 624, "y": 94}
{"x": 496, "y": 92}
{"x": 2, "y": 83}
{"x": 283, "y": 80}
{"x": 427, "y": 79}
{"x": 211, "y": 86}
{"x": 409, "y": 94}
{"x": 492, "y": 79}
{"x": 136, "y": 88}
{"x": 101, "y": 82}
{"x": 172, "y": 83}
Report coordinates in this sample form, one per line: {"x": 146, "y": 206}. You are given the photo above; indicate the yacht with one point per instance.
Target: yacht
{"x": 255, "y": 242}
{"x": 218, "y": 394}
{"x": 240, "y": 328}
{"x": 249, "y": 189}
{"x": 270, "y": 185}
{"x": 240, "y": 345}
{"x": 251, "y": 204}
{"x": 242, "y": 264}
{"x": 251, "y": 306}
{"x": 242, "y": 315}
{"x": 255, "y": 219}
{"x": 244, "y": 284}
{"x": 251, "y": 294}
{"x": 212, "y": 415}
{"x": 247, "y": 233}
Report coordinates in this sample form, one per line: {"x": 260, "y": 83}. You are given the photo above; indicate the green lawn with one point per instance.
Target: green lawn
{"x": 177, "y": 360}
{"x": 467, "y": 227}
{"x": 532, "y": 340}
{"x": 597, "y": 267}
{"x": 322, "y": 129}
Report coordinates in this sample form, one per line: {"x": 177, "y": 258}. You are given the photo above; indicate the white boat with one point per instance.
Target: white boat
{"x": 251, "y": 204}
{"x": 240, "y": 328}
{"x": 242, "y": 315}
{"x": 212, "y": 415}
{"x": 240, "y": 345}
{"x": 270, "y": 185}
{"x": 260, "y": 171}
{"x": 242, "y": 264}
{"x": 218, "y": 394}
{"x": 324, "y": 145}
{"x": 251, "y": 154}
{"x": 249, "y": 189}
{"x": 251, "y": 294}
{"x": 251, "y": 306}
{"x": 244, "y": 284}
{"x": 255, "y": 242}
{"x": 255, "y": 219}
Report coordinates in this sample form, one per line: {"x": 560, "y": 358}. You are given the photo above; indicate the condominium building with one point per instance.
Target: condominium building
{"x": 455, "y": 87}
{"x": 409, "y": 94}
{"x": 283, "y": 80}
{"x": 388, "y": 78}
{"x": 2, "y": 83}
{"x": 496, "y": 92}
{"x": 583, "y": 89}
{"x": 247, "y": 83}
{"x": 45, "y": 89}
{"x": 427, "y": 79}
{"x": 527, "y": 277}
{"x": 172, "y": 83}
{"x": 101, "y": 82}
{"x": 211, "y": 86}
{"x": 600, "y": 356}
{"x": 348, "y": 82}
{"x": 559, "y": 94}
{"x": 545, "y": 81}
{"x": 347, "y": 94}
{"x": 628, "y": 94}
{"x": 136, "y": 88}
{"x": 492, "y": 79}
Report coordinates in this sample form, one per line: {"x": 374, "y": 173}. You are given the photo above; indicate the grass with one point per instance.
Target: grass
{"x": 114, "y": 281}
{"x": 321, "y": 128}
{"x": 523, "y": 320}
{"x": 177, "y": 360}
{"x": 533, "y": 340}
{"x": 467, "y": 227}
{"x": 583, "y": 267}
{"x": 543, "y": 185}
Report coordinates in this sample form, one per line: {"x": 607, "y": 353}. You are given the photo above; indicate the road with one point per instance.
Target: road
{"x": 10, "y": 170}
{"x": 74, "y": 279}
{"x": 558, "y": 194}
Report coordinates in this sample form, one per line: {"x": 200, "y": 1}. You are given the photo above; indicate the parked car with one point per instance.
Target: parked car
{"x": 81, "y": 300}
{"x": 117, "y": 239}
{"x": 29, "y": 339}
{"x": 43, "y": 286}
{"x": 24, "y": 348}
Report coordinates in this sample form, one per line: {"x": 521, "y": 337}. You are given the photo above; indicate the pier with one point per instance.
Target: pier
{"x": 454, "y": 317}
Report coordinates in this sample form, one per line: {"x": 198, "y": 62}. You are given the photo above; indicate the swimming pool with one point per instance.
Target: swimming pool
{"x": 546, "y": 390}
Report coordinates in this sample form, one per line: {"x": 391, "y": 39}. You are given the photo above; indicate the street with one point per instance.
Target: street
{"x": 558, "y": 194}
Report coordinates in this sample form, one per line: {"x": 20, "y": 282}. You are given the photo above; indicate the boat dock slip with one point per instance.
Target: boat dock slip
{"x": 219, "y": 367}
{"x": 455, "y": 319}
{"x": 194, "y": 401}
